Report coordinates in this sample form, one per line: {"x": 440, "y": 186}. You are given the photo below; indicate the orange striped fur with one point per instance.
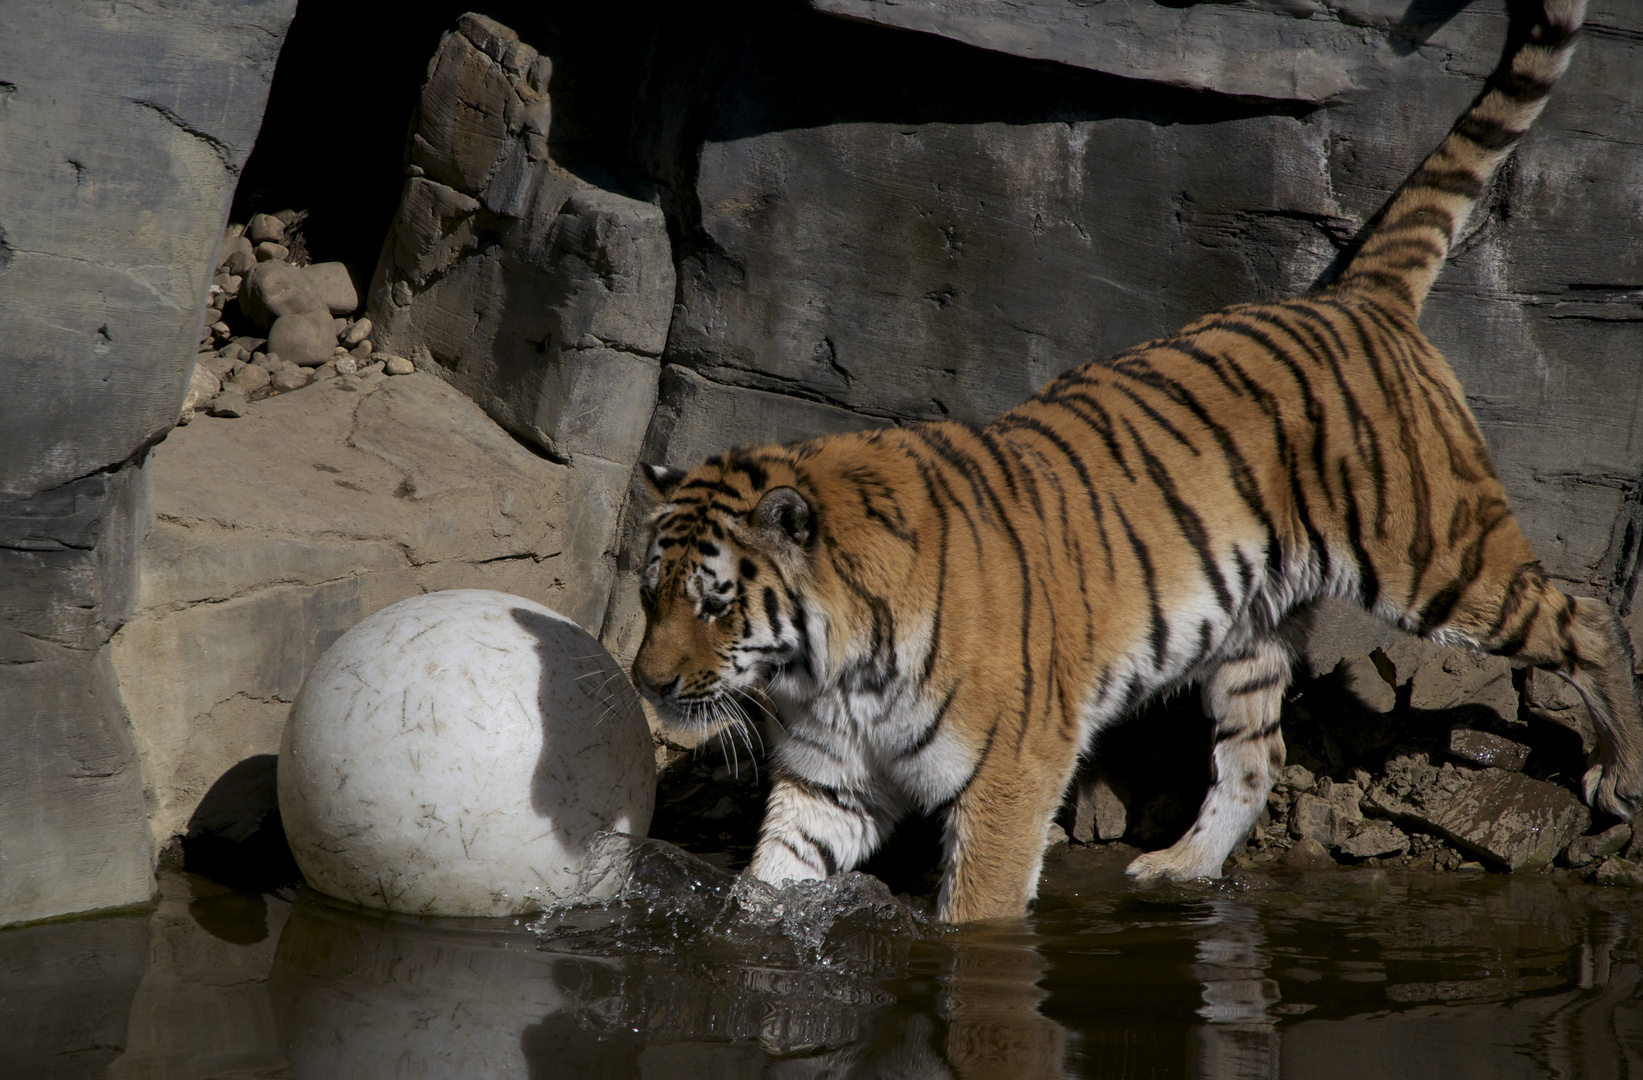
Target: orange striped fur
{"x": 946, "y": 615}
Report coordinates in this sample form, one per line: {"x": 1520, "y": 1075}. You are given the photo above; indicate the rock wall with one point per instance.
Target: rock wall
{"x": 124, "y": 130}
{"x": 983, "y": 199}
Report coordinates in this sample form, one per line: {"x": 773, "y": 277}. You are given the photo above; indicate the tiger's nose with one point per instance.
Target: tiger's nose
{"x": 661, "y": 689}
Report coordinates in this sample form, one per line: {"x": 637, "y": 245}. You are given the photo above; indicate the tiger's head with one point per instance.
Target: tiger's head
{"x": 723, "y": 588}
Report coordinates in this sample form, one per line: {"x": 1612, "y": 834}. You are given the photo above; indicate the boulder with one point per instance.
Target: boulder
{"x": 1505, "y": 817}
{"x": 1454, "y": 678}
{"x": 332, "y": 285}
{"x": 264, "y": 227}
{"x": 272, "y": 289}
{"x": 1618, "y": 871}
{"x": 303, "y": 338}
{"x": 1589, "y": 849}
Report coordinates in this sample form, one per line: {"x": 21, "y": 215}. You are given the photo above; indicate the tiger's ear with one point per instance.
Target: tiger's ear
{"x": 784, "y": 509}
{"x": 662, "y": 480}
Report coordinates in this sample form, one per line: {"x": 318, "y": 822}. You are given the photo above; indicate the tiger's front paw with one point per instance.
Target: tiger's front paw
{"x": 1167, "y": 865}
{"x": 1605, "y": 790}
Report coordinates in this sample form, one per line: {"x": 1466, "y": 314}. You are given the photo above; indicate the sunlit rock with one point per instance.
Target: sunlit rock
{"x": 454, "y": 753}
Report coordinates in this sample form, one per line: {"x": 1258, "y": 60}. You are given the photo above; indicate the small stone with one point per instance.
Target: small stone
{"x": 265, "y": 227}
{"x": 236, "y": 255}
{"x": 375, "y": 369}
{"x": 249, "y": 379}
{"x": 341, "y": 327}
{"x": 1055, "y": 836}
{"x": 1376, "y": 840}
{"x": 219, "y": 365}
{"x": 221, "y": 282}
{"x": 304, "y": 338}
{"x": 340, "y": 350}
{"x": 220, "y": 329}
{"x": 1484, "y": 748}
{"x": 345, "y": 365}
{"x": 1586, "y": 850}
{"x": 331, "y": 283}
{"x": 358, "y": 332}
{"x": 399, "y": 365}
{"x": 250, "y": 344}
{"x": 235, "y": 352}
{"x": 362, "y": 350}
{"x": 1297, "y": 777}
{"x": 271, "y": 252}
{"x": 232, "y": 286}
{"x": 269, "y": 360}
{"x": 1618, "y": 871}
{"x": 1099, "y": 812}
{"x": 203, "y": 385}
{"x": 325, "y": 371}
{"x": 401, "y": 294}
{"x": 230, "y": 404}
{"x": 1307, "y": 854}
{"x": 289, "y": 377}
{"x": 1346, "y": 798}
{"x": 287, "y": 217}
{"x": 1314, "y": 818}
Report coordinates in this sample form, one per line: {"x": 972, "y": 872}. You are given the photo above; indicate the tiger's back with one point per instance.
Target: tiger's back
{"x": 947, "y": 615}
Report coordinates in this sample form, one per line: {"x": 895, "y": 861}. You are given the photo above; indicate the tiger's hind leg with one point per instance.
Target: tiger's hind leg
{"x": 1244, "y": 696}
{"x": 1579, "y": 638}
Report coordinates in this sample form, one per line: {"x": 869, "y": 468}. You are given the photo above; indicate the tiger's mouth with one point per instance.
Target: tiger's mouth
{"x": 723, "y": 707}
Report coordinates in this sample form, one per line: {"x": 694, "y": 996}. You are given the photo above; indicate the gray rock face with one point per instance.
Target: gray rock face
{"x": 123, "y": 141}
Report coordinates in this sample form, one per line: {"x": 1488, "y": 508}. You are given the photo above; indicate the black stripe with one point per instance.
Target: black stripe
{"x": 1489, "y": 134}
{"x": 1051, "y": 436}
{"x": 797, "y": 854}
{"x": 1191, "y": 525}
{"x": 772, "y": 612}
{"x": 711, "y": 485}
{"x": 1369, "y": 581}
{"x": 1259, "y": 683}
{"x": 1243, "y": 477}
{"x": 933, "y": 728}
{"x": 975, "y": 770}
{"x": 944, "y": 448}
{"x": 1100, "y": 422}
{"x": 1149, "y": 580}
{"x": 1522, "y": 89}
{"x": 1463, "y": 182}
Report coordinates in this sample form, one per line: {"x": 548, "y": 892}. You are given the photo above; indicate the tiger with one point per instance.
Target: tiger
{"x": 945, "y": 615}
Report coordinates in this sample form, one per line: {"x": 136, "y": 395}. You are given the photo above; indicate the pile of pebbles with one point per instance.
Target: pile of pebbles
{"x": 276, "y": 322}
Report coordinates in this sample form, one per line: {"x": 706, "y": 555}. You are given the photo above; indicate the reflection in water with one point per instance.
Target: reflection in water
{"x": 1241, "y": 1038}
{"x": 1344, "y": 975}
{"x": 615, "y": 994}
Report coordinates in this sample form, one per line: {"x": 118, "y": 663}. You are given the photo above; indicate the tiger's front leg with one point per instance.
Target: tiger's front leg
{"x": 812, "y": 830}
{"x": 1245, "y": 697}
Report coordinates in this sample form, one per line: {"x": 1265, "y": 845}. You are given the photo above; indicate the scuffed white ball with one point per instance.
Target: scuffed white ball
{"x": 453, "y": 754}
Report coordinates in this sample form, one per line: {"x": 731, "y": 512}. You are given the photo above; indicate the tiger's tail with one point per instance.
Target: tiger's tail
{"x": 1409, "y": 242}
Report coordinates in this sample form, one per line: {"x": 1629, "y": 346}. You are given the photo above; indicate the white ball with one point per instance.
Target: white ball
{"x": 454, "y": 753}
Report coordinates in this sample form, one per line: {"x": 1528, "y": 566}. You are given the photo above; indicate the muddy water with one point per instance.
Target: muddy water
{"x": 1337, "y": 974}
